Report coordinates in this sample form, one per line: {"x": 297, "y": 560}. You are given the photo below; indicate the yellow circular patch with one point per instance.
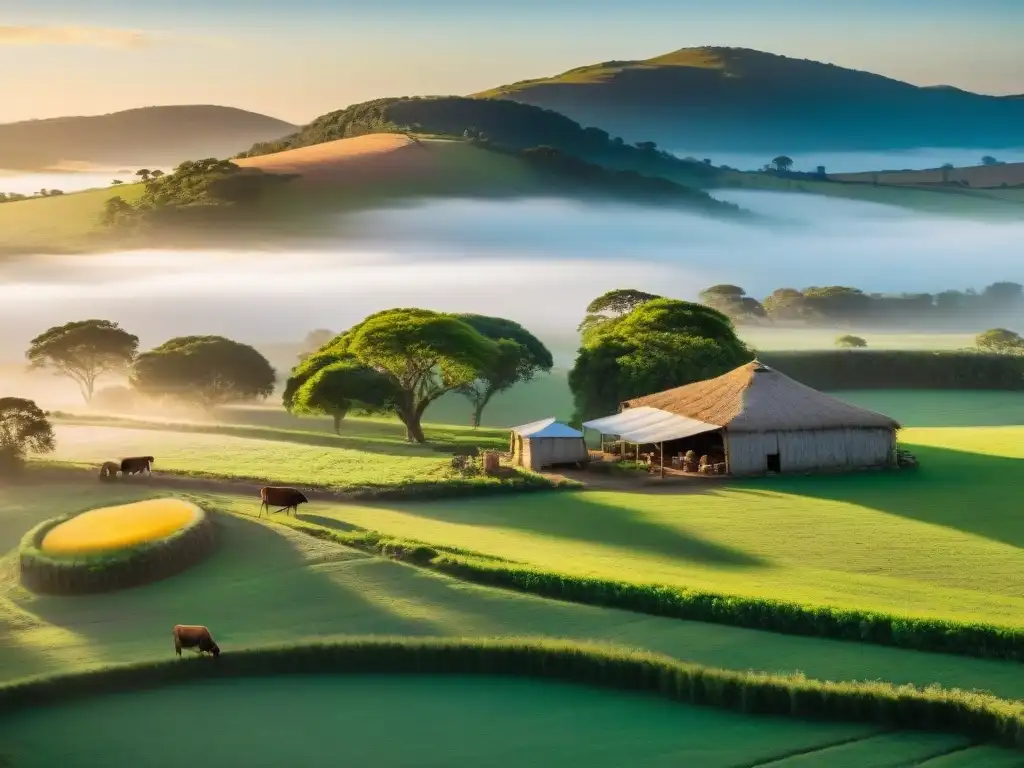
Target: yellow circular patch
{"x": 120, "y": 527}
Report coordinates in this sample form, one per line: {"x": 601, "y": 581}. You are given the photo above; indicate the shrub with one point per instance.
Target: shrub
{"x": 979, "y": 716}
{"x": 147, "y": 561}
{"x": 899, "y": 369}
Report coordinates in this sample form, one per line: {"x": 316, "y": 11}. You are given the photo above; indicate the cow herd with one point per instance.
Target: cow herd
{"x": 284, "y": 498}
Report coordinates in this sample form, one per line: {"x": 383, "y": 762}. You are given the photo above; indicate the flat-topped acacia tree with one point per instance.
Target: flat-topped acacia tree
{"x": 396, "y": 361}
{"x": 83, "y": 351}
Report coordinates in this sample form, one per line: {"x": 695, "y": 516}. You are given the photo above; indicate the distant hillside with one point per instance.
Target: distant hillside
{"x": 1003, "y": 175}
{"x": 507, "y": 124}
{"x": 160, "y": 136}
{"x": 740, "y": 100}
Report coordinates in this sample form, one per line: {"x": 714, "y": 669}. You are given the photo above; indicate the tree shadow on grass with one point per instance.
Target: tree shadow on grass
{"x": 328, "y": 522}
{"x": 577, "y": 517}
{"x": 263, "y": 584}
{"x": 974, "y": 493}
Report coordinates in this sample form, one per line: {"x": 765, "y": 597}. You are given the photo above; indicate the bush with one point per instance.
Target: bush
{"x": 899, "y": 369}
{"x": 85, "y": 574}
{"x": 978, "y": 716}
{"x": 920, "y": 634}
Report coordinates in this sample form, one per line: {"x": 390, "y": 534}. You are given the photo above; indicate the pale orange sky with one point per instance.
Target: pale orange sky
{"x": 298, "y": 59}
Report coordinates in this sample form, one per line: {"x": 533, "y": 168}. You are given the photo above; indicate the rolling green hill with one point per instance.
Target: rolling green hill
{"x": 147, "y": 136}
{"x": 742, "y": 100}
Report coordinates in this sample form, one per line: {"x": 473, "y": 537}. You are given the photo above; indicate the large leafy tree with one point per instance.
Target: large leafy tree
{"x": 417, "y": 356}
{"x": 661, "y": 344}
{"x": 520, "y": 356}
{"x": 84, "y": 351}
{"x": 610, "y": 305}
{"x": 207, "y": 371}
{"x": 24, "y": 429}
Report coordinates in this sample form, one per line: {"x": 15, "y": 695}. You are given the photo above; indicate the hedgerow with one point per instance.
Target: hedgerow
{"x": 978, "y": 639}
{"x": 979, "y": 716}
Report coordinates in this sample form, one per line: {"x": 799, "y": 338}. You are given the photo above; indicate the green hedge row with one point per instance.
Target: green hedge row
{"x": 899, "y": 369}
{"x": 143, "y": 564}
{"x": 978, "y": 716}
{"x": 987, "y": 641}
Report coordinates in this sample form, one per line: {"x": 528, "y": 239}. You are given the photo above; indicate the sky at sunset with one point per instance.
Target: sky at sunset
{"x": 297, "y": 59}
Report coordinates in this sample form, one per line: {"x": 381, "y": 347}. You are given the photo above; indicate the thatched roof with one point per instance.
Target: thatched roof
{"x": 756, "y": 398}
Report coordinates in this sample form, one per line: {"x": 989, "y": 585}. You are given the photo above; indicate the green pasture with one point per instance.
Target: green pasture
{"x": 268, "y": 583}
{"x": 438, "y": 721}
{"x": 57, "y": 223}
{"x": 940, "y": 541}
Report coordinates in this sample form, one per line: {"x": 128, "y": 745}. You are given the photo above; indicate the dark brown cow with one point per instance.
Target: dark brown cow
{"x": 285, "y": 498}
{"x": 194, "y": 636}
{"x": 136, "y": 465}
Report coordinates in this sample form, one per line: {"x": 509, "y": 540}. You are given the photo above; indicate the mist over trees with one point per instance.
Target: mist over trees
{"x": 84, "y": 351}
{"x": 846, "y": 305}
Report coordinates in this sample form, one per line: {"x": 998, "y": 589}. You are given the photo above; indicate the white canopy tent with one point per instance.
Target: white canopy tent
{"x": 546, "y": 428}
{"x": 649, "y": 426}
{"x": 547, "y": 443}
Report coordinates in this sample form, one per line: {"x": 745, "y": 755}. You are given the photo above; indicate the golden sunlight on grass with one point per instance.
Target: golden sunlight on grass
{"x": 126, "y": 525}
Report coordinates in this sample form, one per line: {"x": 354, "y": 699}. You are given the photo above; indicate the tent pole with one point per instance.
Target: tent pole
{"x": 662, "y": 452}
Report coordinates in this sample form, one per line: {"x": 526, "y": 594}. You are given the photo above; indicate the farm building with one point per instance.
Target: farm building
{"x": 547, "y": 443}
{"x": 752, "y": 421}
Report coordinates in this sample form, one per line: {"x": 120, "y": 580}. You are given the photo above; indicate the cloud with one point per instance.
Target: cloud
{"x": 91, "y": 36}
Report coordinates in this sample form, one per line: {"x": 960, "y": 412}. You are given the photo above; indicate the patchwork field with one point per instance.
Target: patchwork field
{"x": 943, "y": 540}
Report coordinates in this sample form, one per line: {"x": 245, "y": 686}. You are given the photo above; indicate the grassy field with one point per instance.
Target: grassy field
{"x": 784, "y": 339}
{"x": 66, "y": 222}
{"x": 943, "y": 541}
{"x": 270, "y": 584}
{"x": 442, "y": 721}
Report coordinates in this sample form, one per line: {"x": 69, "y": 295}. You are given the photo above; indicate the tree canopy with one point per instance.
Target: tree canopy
{"x": 851, "y": 342}
{"x": 611, "y": 305}
{"x": 207, "y": 371}
{"x": 519, "y": 357}
{"x": 1000, "y": 340}
{"x": 732, "y": 301}
{"x": 660, "y": 344}
{"x": 84, "y": 351}
{"x": 417, "y": 356}
{"x": 24, "y": 429}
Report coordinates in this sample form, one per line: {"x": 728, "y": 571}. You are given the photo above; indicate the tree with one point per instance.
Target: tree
{"x": 144, "y": 173}
{"x": 156, "y": 174}
{"x": 662, "y": 343}
{"x": 1000, "y": 340}
{"x": 24, "y": 429}
{"x": 115, "y": 182}
{"x": 116, "y": 210}
{"x": 314, "y": 340}
{"x": 342, "y": 386}
{"x": 782, "y": 163}
{"x": 520, "y": 356}
{"x": 851, "y": 342}
{"x": 733, "y": 301}
{"x": 419, "y": 355}
{"x": 207, "y": 371}
{"x": 84, "y": 351}
{"x": 787, "y": 304}
{"x": 612, "y": 304}
{"x": 989, "y": 160}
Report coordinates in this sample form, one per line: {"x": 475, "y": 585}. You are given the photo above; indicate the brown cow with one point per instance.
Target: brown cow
{"x": 279, "y": 496}
{"x": 136, "y": 465}
{"x": 194, "y": 636}
{"x": 109, "y": 471}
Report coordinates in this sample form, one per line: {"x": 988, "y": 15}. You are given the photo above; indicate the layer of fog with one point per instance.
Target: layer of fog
{"x": 538, "y": 262}
{"x": 853, "y": 162}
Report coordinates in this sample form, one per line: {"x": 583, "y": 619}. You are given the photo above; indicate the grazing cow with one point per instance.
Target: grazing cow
{"x": 109, "y": 471}
{"x": 194, "y": 636}
{"x": 285, "y": 498}
{"x": 136, "y": 465}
